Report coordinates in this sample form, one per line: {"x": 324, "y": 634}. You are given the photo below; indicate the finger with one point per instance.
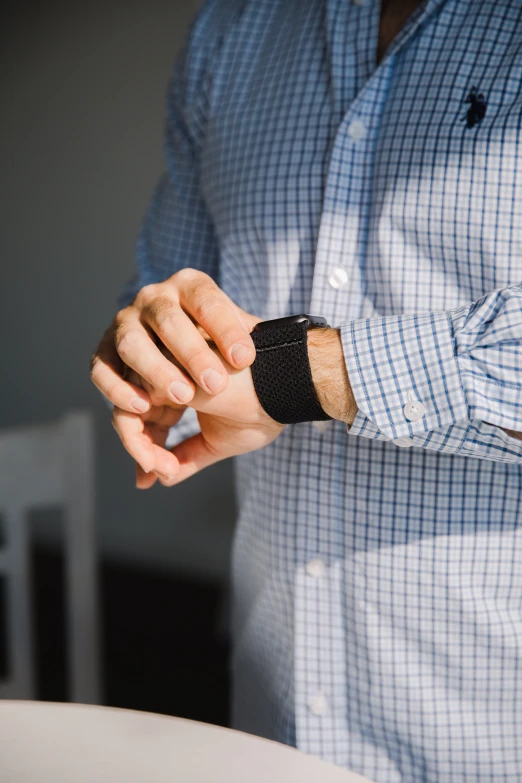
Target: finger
{"x": 161, "y": 418}
{"x": 139, "y": 352}
{"x": 158, "y": 435}
{"x": 136, "y": 437}
{"x": 213, "y": 310}
{"x": 187, "y": 345}
{"x": 144, "y": 480}
{"x": 246, "y": 319}
{"x": 166, "y": 417}
{"x": 192, "y": 456}
{"x": 106, "y": 374}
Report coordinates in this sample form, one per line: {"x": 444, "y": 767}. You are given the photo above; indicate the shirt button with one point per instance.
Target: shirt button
{"x": 318, "y": 704}
{"x": 315, "y": 568}
{"x": 414, "y": 410}
{"x": 338, "y": 278}
{"x": 404, "y": 442}
{"x": 322, "y": 426}
{"x": 358, "y": 2}
{"x": 357, "y": 130}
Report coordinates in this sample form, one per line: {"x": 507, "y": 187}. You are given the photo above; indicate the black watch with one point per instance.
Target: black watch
{"x": 281, "y": 370}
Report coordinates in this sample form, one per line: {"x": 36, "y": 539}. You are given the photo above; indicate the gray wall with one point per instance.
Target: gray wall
{"x": 83, "y": 88}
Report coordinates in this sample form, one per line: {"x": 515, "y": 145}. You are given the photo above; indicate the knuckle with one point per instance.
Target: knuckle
{"x": 112, "y": 393}
{"x": 126, "y": 342}
{"x": 121, "y": 328}
{"x": 145, "y": 294}
{"x": 188, "y": 276}
{"x": 206, "y": 309}
{"x": 200, "y": 359}
{"x": 156, "y": 378}
{"x": 160, "y": 311}
{"x": 120, "y": 320}
{"x": 198, "y": 287}
{"x": 229, "y": 335}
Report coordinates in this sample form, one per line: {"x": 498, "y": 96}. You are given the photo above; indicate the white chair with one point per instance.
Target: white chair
{"x": 42, "y": 466}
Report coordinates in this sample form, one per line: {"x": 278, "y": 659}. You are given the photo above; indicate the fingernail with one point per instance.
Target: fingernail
{"x": 181, "y": 391}
{"x": 212, "y": 379}
{"x": 240, "y": 353}
{"x": 139, "y": 405}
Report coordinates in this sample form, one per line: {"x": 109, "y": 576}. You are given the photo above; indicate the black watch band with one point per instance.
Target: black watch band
{"x": 281, "y": 370}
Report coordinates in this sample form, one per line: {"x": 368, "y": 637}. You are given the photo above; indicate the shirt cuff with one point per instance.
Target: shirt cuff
{"x": 404, "y": 374}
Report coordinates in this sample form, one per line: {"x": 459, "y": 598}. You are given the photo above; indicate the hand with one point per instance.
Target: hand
{"x": 176, "y": 313}
{"x": 231, "y": 423}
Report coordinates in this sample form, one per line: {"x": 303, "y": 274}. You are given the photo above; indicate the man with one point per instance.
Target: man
{"x": 359, "y": 163}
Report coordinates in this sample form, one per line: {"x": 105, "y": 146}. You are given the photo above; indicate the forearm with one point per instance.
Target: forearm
{"x": 331, "y": 379}
{"x": 329, "y": 374}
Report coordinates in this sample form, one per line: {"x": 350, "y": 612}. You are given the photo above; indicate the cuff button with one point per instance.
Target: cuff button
{"x": 414, "y": 410}
{"x": 404, "y": 443}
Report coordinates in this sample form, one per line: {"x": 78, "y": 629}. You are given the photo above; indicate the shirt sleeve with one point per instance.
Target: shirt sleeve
{"x": 177, "y": 231}
{"x": 447, "y": 381}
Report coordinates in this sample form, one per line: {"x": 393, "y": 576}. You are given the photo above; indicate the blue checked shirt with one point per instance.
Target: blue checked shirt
{"x": 377, "y": 572}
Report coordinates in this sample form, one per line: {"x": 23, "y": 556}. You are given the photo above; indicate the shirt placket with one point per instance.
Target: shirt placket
{"x": 338, "y": 293}
{"x": 338, "y": 288}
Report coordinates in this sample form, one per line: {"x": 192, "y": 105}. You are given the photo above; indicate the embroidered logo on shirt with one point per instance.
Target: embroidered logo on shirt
{"x": 477, "y": 109}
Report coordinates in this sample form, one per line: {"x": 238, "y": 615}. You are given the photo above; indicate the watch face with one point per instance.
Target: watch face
{"x": 311, "y": 320}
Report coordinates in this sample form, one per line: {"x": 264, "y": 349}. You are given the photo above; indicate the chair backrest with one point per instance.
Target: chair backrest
{"x": 40, "y": 466}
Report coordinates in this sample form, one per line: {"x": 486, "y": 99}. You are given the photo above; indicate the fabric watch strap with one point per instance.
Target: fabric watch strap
{"x": 282, "y": 376}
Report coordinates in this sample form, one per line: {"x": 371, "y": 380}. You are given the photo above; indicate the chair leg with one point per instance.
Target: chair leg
{"x": 82, "y": 600}
{"x": 19, "y": 606}
{"x": 82, "y": 620}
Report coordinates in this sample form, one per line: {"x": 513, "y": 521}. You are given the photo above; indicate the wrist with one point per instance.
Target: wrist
{"x": 329, "y": 374}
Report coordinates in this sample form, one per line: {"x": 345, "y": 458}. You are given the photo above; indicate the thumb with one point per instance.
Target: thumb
{"x": 193, "y": 455}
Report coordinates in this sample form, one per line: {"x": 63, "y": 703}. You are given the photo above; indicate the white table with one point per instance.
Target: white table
{"x": 65, "y": 743}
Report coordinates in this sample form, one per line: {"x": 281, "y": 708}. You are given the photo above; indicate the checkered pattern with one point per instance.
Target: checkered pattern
{"x": 377, "y": 573}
